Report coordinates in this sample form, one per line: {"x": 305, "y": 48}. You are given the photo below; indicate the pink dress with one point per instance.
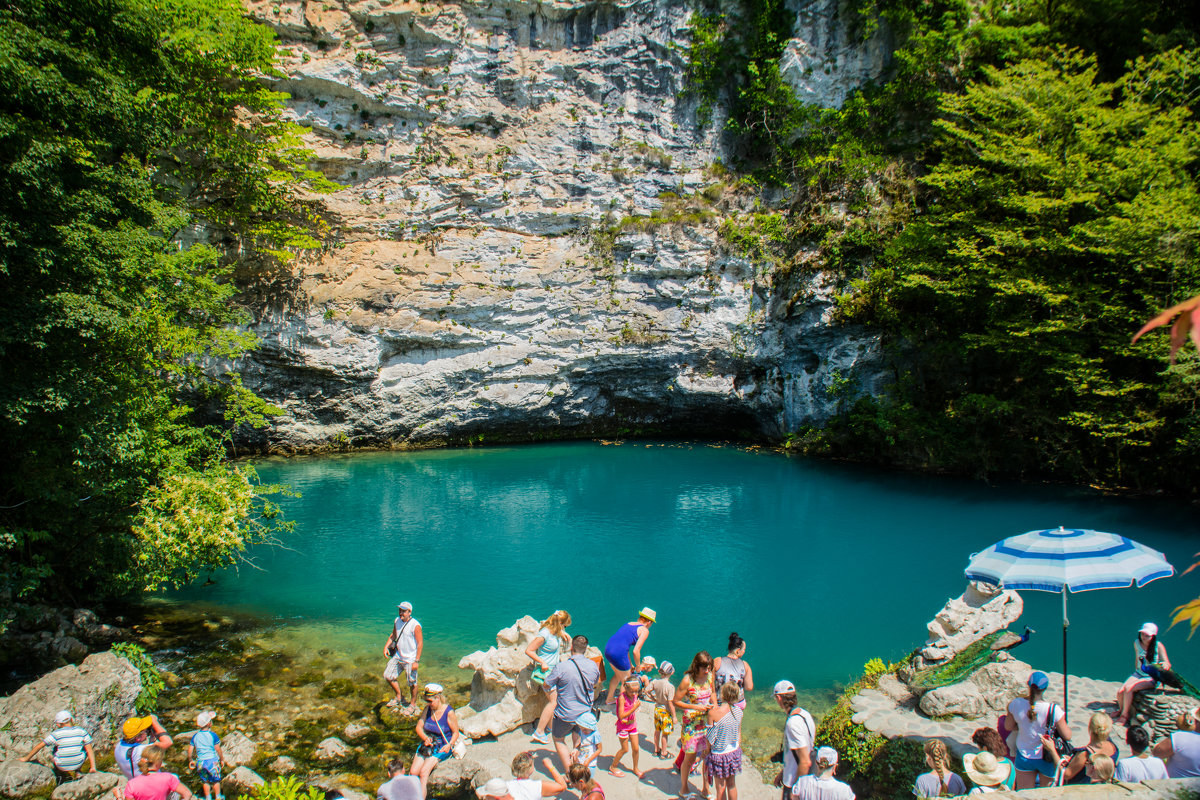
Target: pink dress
{"x": 628, "y": 726}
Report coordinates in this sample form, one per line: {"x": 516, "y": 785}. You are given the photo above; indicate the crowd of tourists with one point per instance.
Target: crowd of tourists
{"x": 1029, "y": 746}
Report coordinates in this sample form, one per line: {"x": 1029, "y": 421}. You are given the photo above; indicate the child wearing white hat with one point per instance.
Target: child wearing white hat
{"x": 205, "y": 755}
{"x": 70, "y": 745}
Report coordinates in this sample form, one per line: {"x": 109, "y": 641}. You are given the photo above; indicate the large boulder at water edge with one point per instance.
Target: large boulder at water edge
{"x": 282, "y": 766}
{"x": 456, "y": 776}
{"x": 982, "y": 609}
{"x": 100, "y": 693}
{"x": 502, "y": 693}
{"x": 239, "y": 749}
{"x": 242, "y": 780}
{"x": 93, "y": 784}
{"x": 20, "y": 779}
{"x": 986, "y": 693}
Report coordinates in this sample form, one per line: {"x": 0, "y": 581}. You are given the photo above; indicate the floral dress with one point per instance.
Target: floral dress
{"x": 694, "y": 722}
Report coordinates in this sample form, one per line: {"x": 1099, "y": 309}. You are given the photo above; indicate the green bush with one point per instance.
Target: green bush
{"x": 287, "y": 789}
{"x": 879, "y": 767}
{"x": 152, "y": 681}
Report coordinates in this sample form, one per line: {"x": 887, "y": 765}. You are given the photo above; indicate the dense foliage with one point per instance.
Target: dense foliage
{"x": 1021, "y": 194}
{"x": 130, "y": 129}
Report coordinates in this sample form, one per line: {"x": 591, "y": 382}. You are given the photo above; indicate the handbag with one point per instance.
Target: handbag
{"x": 1061, "y": 744}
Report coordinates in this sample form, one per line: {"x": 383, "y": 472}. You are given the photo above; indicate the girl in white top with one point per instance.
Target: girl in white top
{"x": 546, "y": 651}
{"x": 1146, "y": 650}
{"x": 1032, "y": 717}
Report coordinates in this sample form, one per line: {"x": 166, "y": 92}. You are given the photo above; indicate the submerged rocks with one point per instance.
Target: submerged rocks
{"x": 93, "y": 784}
{"x": 282, "y": 766}
{"x": 333, "y": 751}
{"x": 20, "y": 779}
{"x": 355, "y": 730}
{"x": 100, "y": 693}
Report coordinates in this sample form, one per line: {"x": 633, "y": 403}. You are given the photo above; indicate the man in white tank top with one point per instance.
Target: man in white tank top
{"x": 403, "y": 650}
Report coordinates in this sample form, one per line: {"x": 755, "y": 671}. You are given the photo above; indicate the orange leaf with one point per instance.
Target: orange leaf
{"x": 1191, "y": 304}
{"x": 1188, "y": 612}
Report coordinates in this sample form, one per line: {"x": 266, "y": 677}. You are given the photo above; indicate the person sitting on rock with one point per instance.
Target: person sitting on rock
{"x": 70, "y": 745}
{"x": 526, "y": 787}
{"x": 1181, "y": 750}
{"x": 152, "y": 783}
{"x": 437, "y": 727}
{"x": 1147, "y": 651}
{"x": 136, "y": 736}
{"x": 399, "y": 785}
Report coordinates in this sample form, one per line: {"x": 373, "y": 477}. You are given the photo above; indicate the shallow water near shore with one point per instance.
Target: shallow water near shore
{"x": 819, "y": 566}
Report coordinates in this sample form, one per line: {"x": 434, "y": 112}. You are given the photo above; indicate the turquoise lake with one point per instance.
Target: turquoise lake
{"x": 819, "y": 566}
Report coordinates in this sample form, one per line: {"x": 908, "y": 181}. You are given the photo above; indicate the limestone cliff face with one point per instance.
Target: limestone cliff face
{"x": 527, "y": 237}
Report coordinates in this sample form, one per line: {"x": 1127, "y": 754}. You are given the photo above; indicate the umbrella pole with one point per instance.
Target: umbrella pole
{"x": 1066, "y": 675}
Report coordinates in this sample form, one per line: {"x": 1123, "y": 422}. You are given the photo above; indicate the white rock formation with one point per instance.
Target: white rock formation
{"x": 21, "y": 779}
{"x": 92, "y": 784}
{"x": 982, "y": 609}
{"x": 986, "y": 693}
{"x": 332, "y": 750}
{"x": 527, "y": 237}
{"x": 502, "y": 695}
{"x": 241, "y": 781}
{"x": 239, "y": 749}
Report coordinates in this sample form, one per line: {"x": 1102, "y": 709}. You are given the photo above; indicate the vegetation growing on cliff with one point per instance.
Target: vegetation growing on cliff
{"x": 128, "y": 131}
{"x": 1020, "y": 195}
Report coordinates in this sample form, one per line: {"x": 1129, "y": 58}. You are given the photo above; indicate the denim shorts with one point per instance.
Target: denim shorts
{"x": 1040, "y": 765}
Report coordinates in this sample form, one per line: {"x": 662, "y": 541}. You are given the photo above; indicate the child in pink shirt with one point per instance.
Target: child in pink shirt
{"x": 153, "y": 783}
{"x": 627, "y": 734}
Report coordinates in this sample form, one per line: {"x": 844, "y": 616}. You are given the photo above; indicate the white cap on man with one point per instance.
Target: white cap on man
{"x": 405, "y": 606}
{"x": 63, "y": 716}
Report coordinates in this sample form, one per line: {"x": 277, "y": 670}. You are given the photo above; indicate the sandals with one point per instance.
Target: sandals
{"x": 616, "y": 773}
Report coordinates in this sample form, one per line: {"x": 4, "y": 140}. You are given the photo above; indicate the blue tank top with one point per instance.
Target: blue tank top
{"x": 438, "y": 729}
{"x": 623, "y": 639}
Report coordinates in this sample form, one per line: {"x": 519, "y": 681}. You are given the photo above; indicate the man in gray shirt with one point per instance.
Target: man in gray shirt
{"x": 575, "y": 679}
{"x": 401, "y": 786}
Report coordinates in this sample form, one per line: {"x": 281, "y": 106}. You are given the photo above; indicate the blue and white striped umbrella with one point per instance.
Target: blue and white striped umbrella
{"x": 1068, "y": 560}
{"x": 1074, "y": 559}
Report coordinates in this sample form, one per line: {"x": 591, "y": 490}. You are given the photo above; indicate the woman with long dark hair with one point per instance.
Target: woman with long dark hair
{"x": 733, "y": 669}
{"x": 1147, "y": 649}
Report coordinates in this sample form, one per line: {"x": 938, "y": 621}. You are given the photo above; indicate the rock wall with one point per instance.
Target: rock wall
{"x": 526, "y": 241}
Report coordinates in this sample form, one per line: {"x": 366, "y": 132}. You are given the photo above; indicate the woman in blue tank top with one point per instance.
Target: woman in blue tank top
{"x": 629, "y": 637}
{"x": 437, "y": 727}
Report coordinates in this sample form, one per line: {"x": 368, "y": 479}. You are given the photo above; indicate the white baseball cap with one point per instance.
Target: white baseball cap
{"x": 1150, "y": 629}
{"x": 827, "y": 754}
{"x": 405, "y": 606}
{"x": 496, "y": 787}
{"x": 63, "y": 716}
{"x": 205, "y": 718}
{"x": 784, "y": 687}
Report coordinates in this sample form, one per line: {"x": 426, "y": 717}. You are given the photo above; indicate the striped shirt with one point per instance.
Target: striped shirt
{"x": 724, "y": 735}
{"x": 67, "y": 747}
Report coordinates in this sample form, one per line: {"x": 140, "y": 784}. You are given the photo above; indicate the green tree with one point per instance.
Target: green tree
{"x": 1063, "y": 210}
{"x": 130, "y": 129}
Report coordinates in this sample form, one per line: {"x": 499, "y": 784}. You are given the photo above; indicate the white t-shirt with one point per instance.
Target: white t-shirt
{"x": 406, "y": 640}
{"x": 810, "y": 787}
{"x": 1136, "y": 770}
{"x": 797, "y": 735}
{"x": 401, "y": 787}
{"x": 1029, "y": 732}
{"x": 525, "y": 789}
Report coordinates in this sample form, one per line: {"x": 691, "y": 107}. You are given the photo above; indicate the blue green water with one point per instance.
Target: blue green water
{"x": 820, "y": 567}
